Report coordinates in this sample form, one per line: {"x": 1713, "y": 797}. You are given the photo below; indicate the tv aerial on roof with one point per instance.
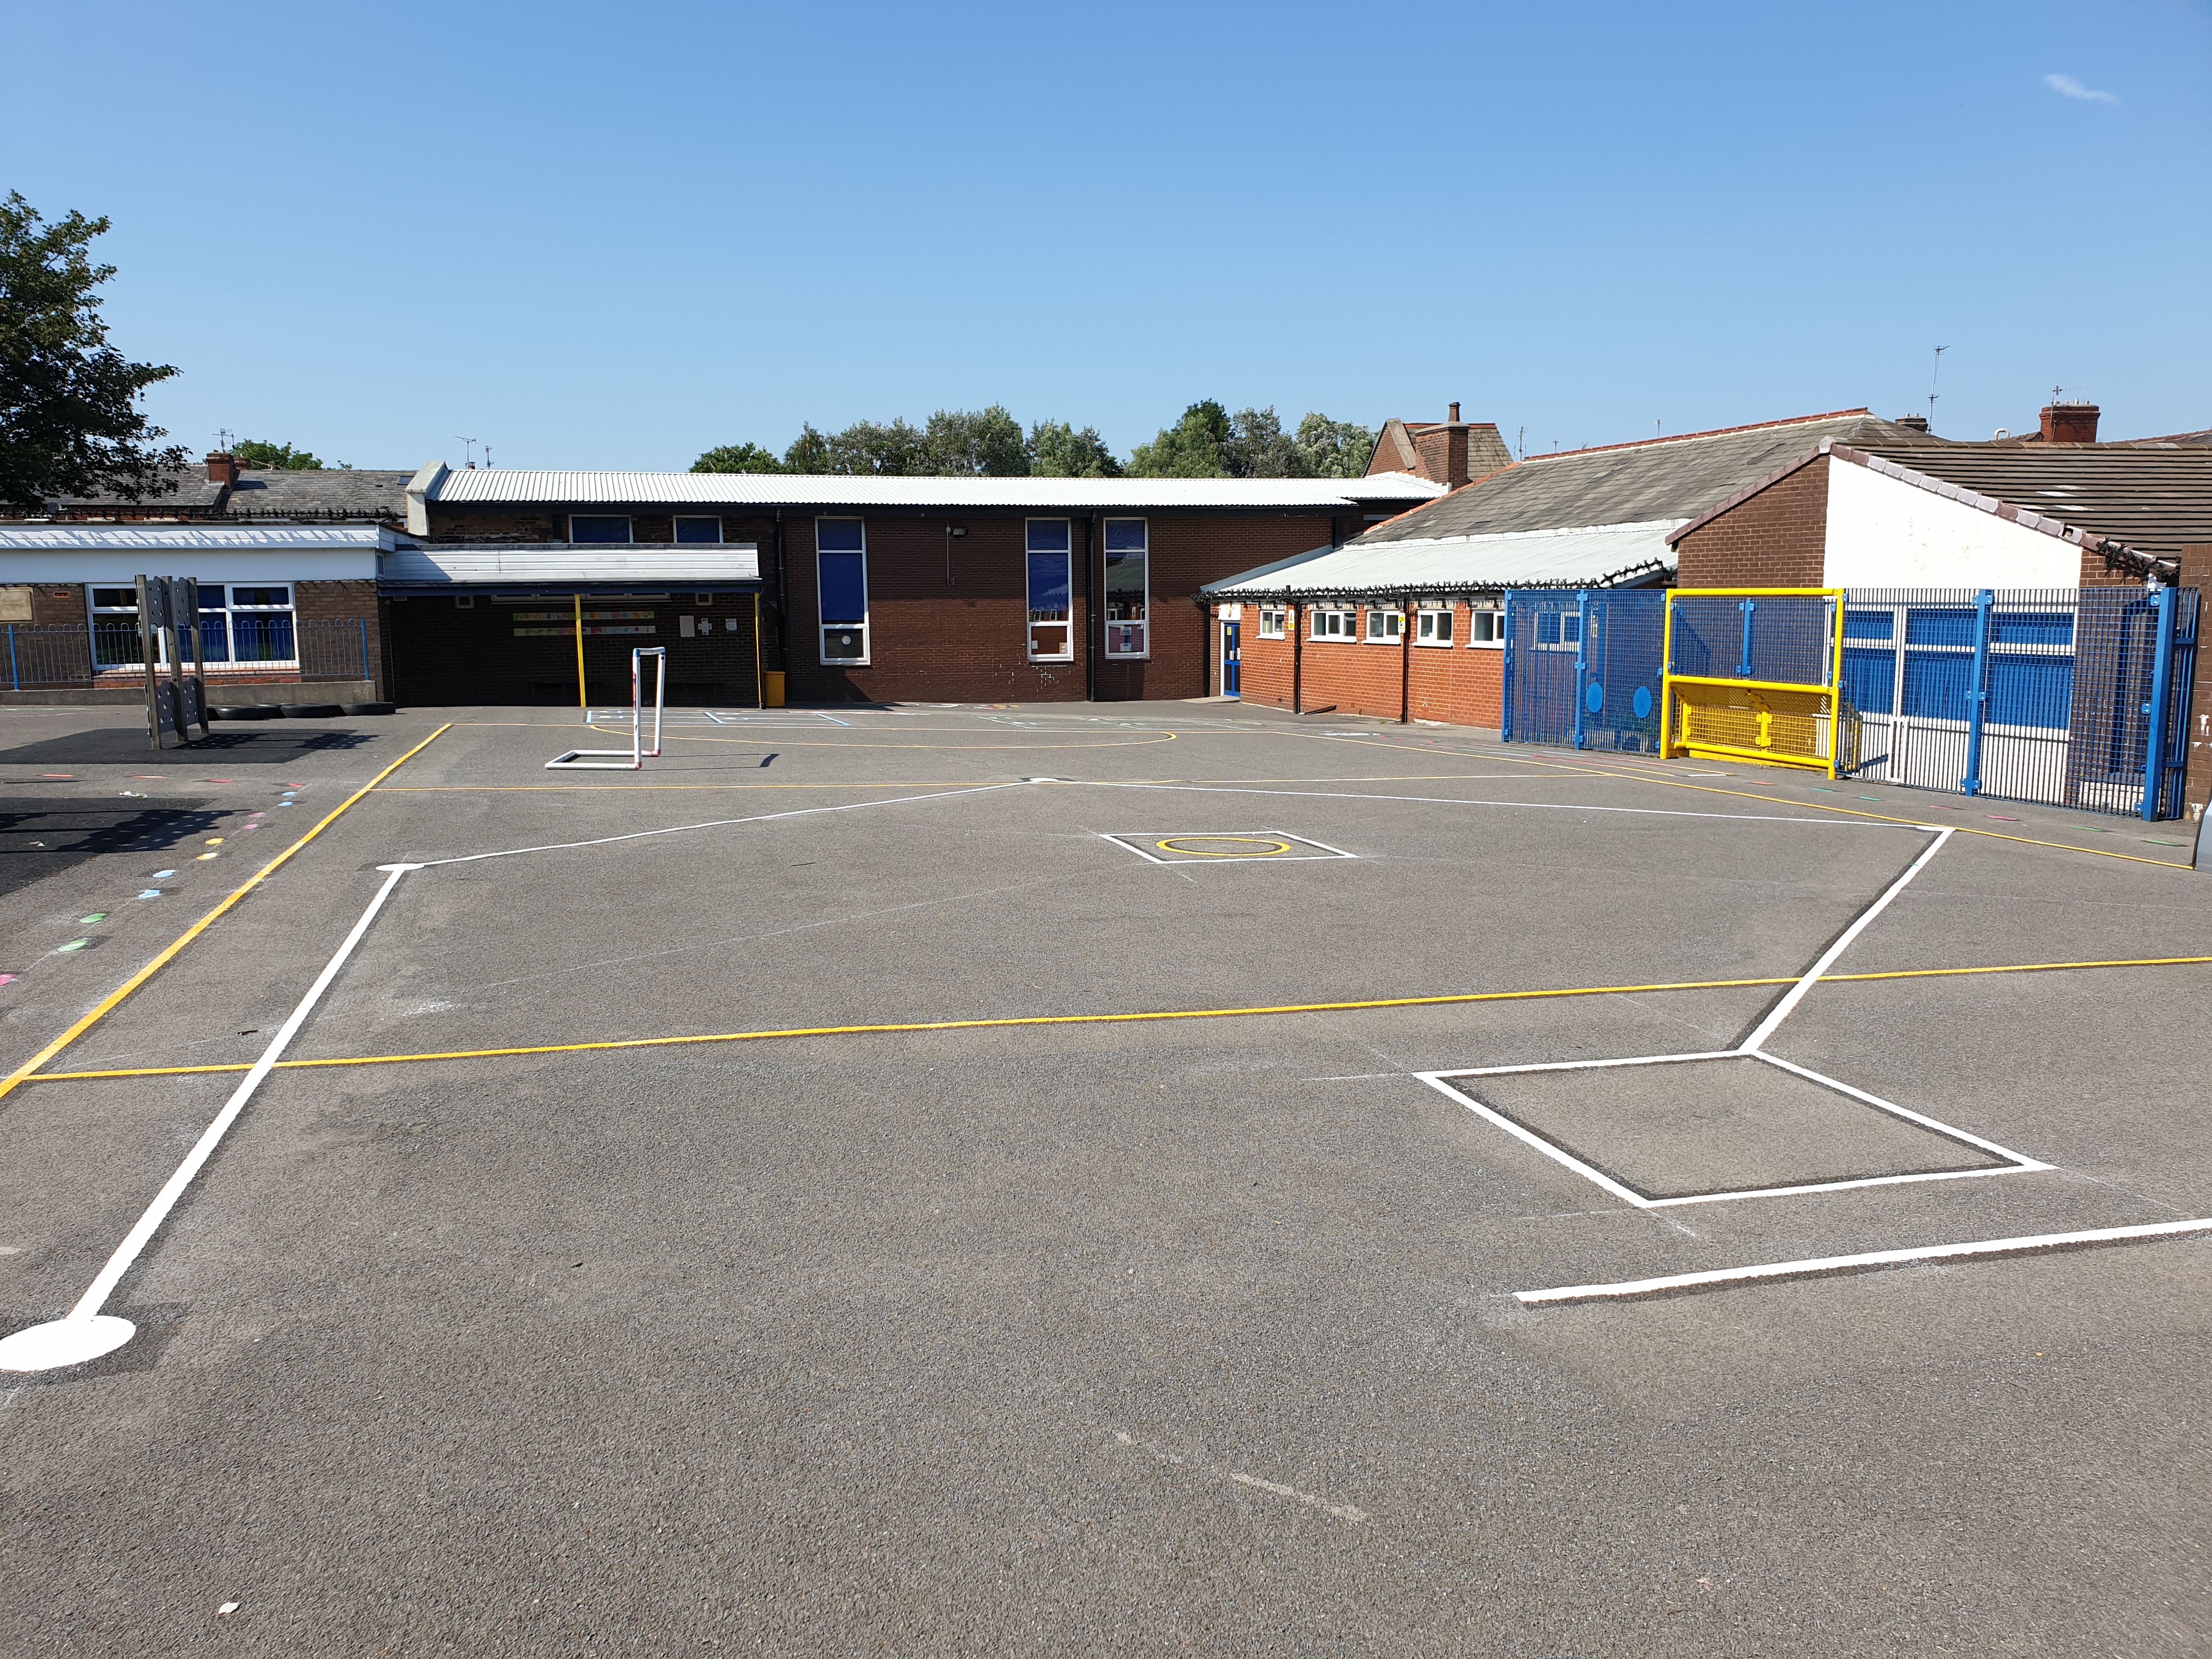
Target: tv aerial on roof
{"x": 471, "y": 444}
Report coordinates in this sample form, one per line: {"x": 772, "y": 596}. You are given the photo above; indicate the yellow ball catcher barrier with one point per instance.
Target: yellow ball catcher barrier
{"x": 1756, "y": 674}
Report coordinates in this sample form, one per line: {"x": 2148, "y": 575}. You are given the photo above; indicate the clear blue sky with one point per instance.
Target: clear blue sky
{"x": 613, "y": 235}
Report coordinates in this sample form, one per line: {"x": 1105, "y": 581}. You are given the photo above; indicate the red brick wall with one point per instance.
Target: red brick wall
{"x": 2196, "y": 573}
{"x": 1463, "y": 685}
{"x": 345, "y": 601}
{"x": 443, "y": 652}
{"x": 1778, "y": 538}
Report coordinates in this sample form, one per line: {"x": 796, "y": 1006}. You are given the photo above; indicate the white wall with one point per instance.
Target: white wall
{"x": 115, "y": 567}
{"x": 1884, "y": 532}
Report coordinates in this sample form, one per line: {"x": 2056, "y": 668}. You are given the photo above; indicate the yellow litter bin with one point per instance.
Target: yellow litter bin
{"x": 773, "y": 681}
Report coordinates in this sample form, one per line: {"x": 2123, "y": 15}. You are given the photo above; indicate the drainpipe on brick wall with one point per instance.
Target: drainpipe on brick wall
{"x": 1298, "y": 658}
{"x": 1091, "y": 628}
{"x": 1406, "y": 660}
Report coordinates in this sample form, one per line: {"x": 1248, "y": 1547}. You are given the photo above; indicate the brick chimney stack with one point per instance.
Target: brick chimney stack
{"x": 222, "y": 467}
{"x": 2069, "y": 423}
{"x": 1443, "y": 450}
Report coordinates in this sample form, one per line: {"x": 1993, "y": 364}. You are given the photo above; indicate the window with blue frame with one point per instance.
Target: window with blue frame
{"x": 1052, "y": 621}
{"x": 699, "y": 531}
{"x": 841, "y": 568}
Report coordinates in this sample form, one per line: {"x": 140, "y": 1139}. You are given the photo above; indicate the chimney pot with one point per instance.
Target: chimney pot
{"x": 2069, "y": 423}
{"x": 221, "y": 467}
{"x": 1454, "y": 412}
{"x": 1913, "y": 422}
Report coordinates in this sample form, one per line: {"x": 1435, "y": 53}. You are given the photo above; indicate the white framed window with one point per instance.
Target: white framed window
{"x": 1485, "y": 627}
{"x": 1333, "y": 623}
{"x": 599, "y": 528}
{"x": 1052, "y": 615}
{"x": 1272, "y": 621}
{"x": 701, "y": 532}
{"x": 252, "y": 622}
{"x": 1129, "y": 588}
{"x": 1558, "y": 630}
{"x": 840, "y": 577}
{"x": 1433, "y": 627}
{"x": 1385, "y": 626}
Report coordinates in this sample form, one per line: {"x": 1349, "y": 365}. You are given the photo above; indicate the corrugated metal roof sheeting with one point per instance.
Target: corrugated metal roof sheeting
{"x": 772, "y": 489}
{"x": 1593, "y": 556}
{"x": 672, "y": 565}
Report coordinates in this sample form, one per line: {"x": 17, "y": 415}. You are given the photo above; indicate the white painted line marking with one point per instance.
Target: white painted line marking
{"x": 1796, "y": 992}
{"x": 1343, "y": 1512}
{"x": 1129, "y": 839}
{"x": 1831, "y": 1264}
{"x": 86, "y": 1333}
{"x": 1529, "y": 805}
{"x": 719, "y": 823}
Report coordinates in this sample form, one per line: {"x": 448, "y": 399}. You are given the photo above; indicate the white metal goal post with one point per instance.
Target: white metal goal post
{"x": 633, "y": 758}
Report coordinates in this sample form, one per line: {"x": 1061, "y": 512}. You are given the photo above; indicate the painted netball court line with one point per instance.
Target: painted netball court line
{"x": 85, "y": 1331}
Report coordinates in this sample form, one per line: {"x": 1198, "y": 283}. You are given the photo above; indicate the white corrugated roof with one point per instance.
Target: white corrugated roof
{"x": 523, "y": 566}
{"x": 1589, "y": 557}
{"x": 168, "y": 538}
{"x": 772, "y": 489}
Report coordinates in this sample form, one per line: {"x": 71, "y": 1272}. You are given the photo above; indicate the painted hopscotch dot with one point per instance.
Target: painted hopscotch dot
{"x": 1215, "y": 846}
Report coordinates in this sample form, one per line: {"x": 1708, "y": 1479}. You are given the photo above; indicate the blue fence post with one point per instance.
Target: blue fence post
{"x": 1505, "y": 676}
{"x": 1582, "y": 660}
{"x": 2155, "y": 740}
{"x": 1977, "y": 695}
{"x": 364, "y": 649}
{"x": 1743, "y": 667}
{"x": 15, "y": 674}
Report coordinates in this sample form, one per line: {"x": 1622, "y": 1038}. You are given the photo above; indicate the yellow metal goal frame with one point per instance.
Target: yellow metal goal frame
{"x": 1673, "y": 709}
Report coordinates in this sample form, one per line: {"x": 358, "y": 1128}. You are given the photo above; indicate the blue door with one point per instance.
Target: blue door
{"x": 1232, "y": 677}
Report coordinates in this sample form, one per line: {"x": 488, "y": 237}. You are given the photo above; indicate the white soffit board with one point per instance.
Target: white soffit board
{"x": 664, "y": 564}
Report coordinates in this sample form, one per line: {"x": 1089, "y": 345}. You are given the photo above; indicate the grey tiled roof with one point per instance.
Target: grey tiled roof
{"x": 332, "y": 493}
{"x": 2156, "y": 500}
{"x": 1662, "y": 479}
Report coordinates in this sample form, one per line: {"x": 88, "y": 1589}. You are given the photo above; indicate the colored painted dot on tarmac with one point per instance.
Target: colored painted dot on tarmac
{"x": 86, "y": 922}
{"x": 73, "y": 945}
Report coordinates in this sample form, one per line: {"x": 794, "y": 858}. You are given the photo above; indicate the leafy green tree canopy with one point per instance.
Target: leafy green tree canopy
{"x": 1196, "y": 446}
{"x": 738, "y": 458}
{"x": 69, "y": 420}
{"x": 984, "y": 443}
{"x": 264, "y": 457}
{"x": 1057, "y": 449}
{"x": 1335, "y": 449}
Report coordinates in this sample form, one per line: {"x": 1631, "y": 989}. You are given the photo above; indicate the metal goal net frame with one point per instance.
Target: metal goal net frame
{"x": 632, "y": 758}
{"x": 1756, "y": 674}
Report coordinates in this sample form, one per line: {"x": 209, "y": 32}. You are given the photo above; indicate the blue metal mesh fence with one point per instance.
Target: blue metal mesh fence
{"x": 1583, "y": 669}
{"x": 111, "y": 655}
{"x": 2069, "y": 697}
{"x": 1777, "y": 637}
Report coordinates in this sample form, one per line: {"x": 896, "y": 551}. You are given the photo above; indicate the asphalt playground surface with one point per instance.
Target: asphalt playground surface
{"x": 1105, "y": 1335}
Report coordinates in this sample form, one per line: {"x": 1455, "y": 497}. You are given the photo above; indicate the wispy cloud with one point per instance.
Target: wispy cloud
{"x": 2067, "y": 87}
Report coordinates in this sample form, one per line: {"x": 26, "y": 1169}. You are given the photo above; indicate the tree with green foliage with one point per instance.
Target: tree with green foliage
{"x": 1335, "y": 449}
{"x": 1258, "y": 448}
{"x": 1196, "y": 446}
{"x": 738, "y": 458}
{"x": 71, "y": 422}
{"x": 263, "y": 457}
{"x": 1057, "y": 449}
{"x": 980, "y": 443}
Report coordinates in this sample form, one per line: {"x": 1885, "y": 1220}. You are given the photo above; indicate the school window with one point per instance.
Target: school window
{"x": 1385, "y": 626}
{"x": 597, "y": 527}
{"x": 1485, "y": 627}
{"x": 1129, "y": 588}
{"x": 1433, "y": 628}
{"x": 1273, "y": 619}
{"x": 246, "y": 622}
{"x": 1332, "y": 624}
{"x": 1052, "y": 623}
{"x": 699, "y": 531}
{"x": 840, "y": 571}
{"x": 1558, "y": 630}
{"x": 243, "y": 623}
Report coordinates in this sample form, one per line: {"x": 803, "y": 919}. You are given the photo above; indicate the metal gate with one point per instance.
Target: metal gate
{"x": 1583, "y": 669}
{"x": 2071, "y": 698}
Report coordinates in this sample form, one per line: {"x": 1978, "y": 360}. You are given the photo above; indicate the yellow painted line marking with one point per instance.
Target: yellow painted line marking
{"x": 1791, "y": 801}
{"x": 113, "y": 998}
{"x": 1109, "y": 1019}
{"x": 1267, "y": 849}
